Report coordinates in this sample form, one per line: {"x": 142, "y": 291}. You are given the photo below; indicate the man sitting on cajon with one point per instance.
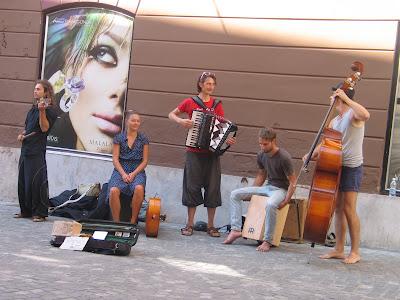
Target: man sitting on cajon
{"x": 275, "y": 164}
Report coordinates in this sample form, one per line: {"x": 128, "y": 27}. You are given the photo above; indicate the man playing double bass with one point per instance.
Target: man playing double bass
{"x": 350, "y": 121}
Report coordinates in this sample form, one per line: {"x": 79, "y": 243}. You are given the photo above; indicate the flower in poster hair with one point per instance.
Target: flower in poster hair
{"x": 71, "y": 86}
{"x": 74, "y": 84}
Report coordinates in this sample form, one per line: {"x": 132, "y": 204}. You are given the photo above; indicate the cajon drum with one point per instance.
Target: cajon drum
{"x": 254, "y": 225}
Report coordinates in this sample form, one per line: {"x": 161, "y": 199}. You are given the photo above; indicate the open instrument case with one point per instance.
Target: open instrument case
{"x": 120, "y": 237}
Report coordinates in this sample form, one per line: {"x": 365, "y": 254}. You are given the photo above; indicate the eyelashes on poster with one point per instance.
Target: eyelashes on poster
{"x": 86, "y": 58}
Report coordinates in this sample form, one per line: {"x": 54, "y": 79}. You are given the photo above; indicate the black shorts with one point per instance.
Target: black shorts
{"x": 350, "y": 180}
{"x": 202, "y": 170}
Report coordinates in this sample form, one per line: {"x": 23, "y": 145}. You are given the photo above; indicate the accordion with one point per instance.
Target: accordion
{"x": 210, "y": 132}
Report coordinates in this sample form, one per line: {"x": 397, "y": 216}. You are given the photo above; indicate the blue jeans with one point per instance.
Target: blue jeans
{"x": 276, "y": 196}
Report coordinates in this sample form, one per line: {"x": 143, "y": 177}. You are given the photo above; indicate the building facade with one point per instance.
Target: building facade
{"x": 275, "y": 67}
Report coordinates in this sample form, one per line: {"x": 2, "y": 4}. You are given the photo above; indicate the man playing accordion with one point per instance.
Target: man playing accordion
{"x": 202, "y": 167}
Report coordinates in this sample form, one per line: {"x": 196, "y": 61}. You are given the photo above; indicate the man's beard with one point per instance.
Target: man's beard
{"x": 268, "y": 151}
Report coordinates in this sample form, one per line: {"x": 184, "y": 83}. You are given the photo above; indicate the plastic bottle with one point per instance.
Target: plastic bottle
{"x": 393, "y": 188}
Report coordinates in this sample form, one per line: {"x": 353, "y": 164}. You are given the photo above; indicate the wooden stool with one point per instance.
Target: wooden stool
{"x": 254, "y": 226}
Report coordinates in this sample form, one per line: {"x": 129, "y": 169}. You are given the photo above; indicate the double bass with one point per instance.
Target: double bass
{"x": 326, "y": 179}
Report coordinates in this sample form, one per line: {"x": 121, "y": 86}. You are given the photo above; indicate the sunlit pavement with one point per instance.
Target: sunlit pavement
{"x": 174, "y": 266}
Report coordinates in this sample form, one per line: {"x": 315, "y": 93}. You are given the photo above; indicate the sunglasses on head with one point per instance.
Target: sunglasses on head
{"x": 207, "y": 74}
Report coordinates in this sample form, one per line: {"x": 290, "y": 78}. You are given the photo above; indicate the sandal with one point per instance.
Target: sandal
{"x": 38, "y": 219}
{"x": 213, "y": 232}
{"x": 20, "y": 216}
{"x": 188, "y": 230}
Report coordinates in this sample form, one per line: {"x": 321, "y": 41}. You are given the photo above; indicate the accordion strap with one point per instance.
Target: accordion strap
{"x": 200, "y": 103}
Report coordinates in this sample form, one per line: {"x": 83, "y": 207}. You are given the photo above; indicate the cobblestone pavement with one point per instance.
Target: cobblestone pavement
{"x": 178, "y": 267}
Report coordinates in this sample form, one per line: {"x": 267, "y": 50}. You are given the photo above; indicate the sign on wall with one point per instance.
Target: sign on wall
{"x": 86, "y": 57}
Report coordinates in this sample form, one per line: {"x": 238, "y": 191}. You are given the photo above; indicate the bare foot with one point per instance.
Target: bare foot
{"x": 264, "y": 247}
{"x": 232, "y": 236}
{"x": 352, "y": 258}
{"x": 333, "y": 254}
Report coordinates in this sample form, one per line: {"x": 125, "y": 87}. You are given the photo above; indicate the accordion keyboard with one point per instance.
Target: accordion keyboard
{"x": 199, "y": 135}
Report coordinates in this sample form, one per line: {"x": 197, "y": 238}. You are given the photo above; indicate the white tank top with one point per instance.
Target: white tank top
{"x": 352, "y": 139}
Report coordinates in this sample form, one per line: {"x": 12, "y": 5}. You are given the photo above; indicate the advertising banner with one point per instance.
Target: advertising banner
{"x": 86, "y": 57}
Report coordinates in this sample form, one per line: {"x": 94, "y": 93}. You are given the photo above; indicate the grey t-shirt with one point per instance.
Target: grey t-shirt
{"x": 278, "y": 167}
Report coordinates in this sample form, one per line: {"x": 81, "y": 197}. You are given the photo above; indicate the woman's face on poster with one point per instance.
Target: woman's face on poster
{"x": 97, "y": 114}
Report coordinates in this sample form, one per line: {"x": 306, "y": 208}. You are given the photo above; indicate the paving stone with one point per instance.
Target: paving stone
{"x": 177, "y": 267}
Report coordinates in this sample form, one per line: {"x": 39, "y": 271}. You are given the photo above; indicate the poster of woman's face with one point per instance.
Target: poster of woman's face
{"x": 86, "y": 58}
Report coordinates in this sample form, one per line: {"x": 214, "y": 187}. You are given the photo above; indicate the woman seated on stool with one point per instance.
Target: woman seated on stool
{"x": 130, "y": 158}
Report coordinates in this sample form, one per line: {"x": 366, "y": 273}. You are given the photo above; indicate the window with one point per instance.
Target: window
{"x": 393, "y": 145}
